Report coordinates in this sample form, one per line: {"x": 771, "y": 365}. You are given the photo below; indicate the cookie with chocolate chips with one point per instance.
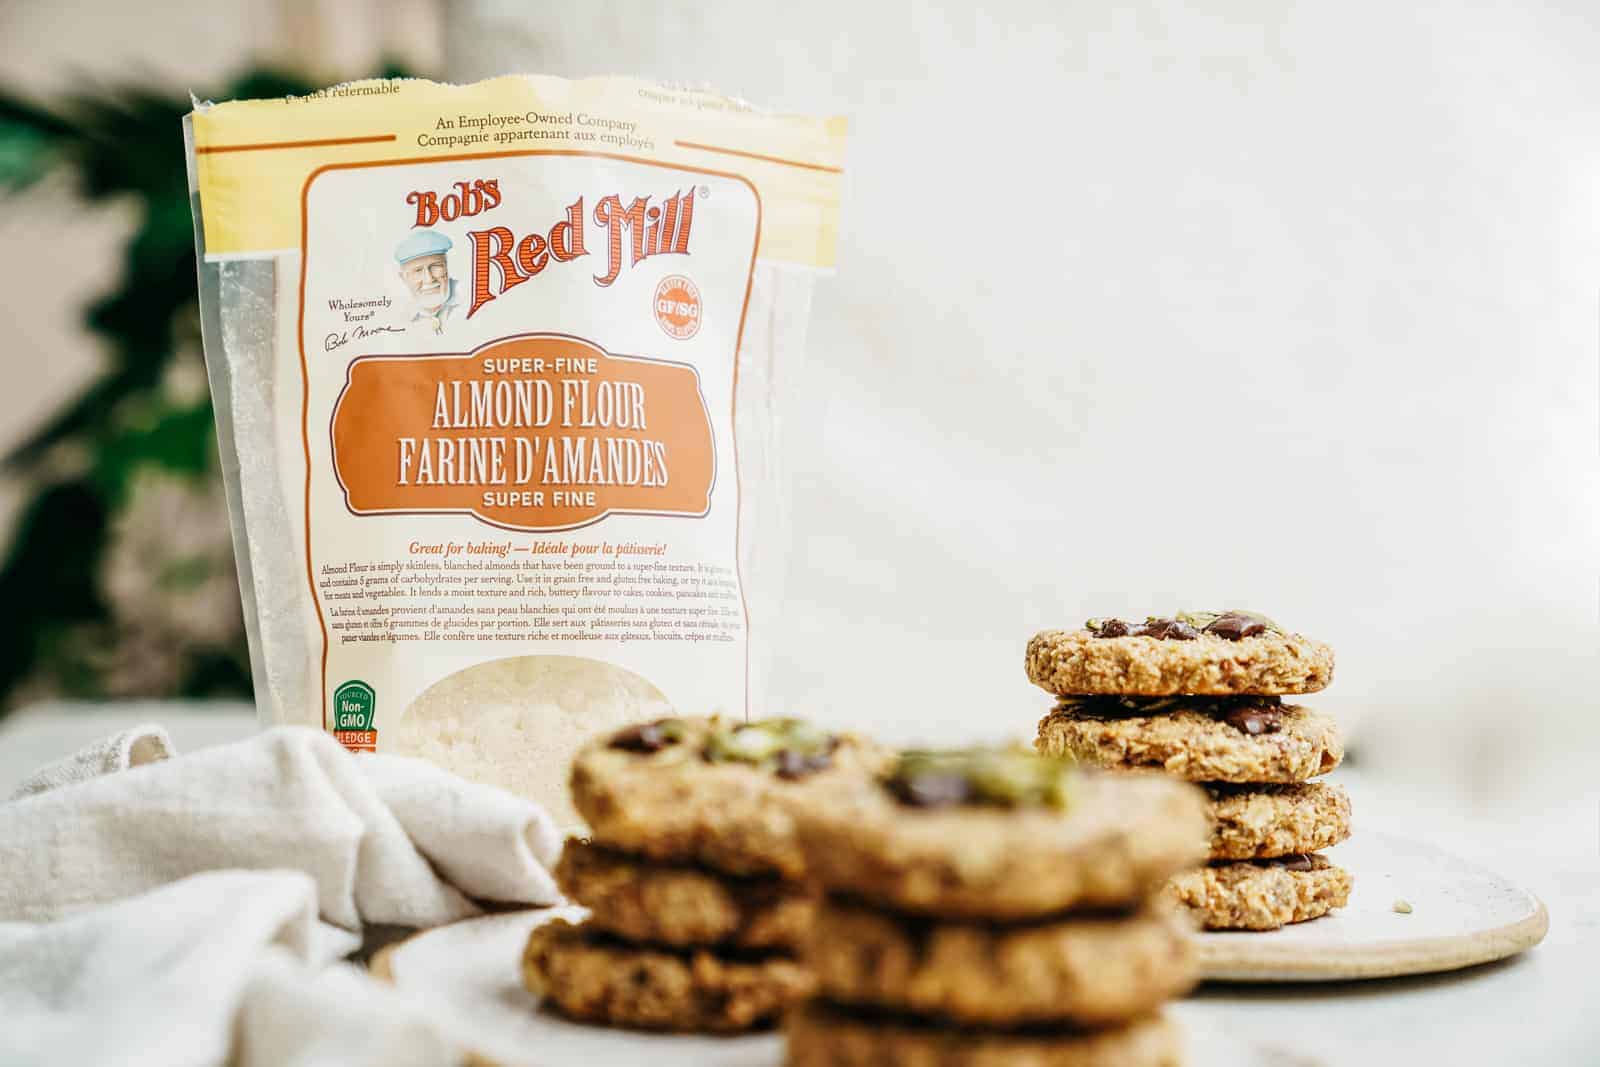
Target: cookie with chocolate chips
{"x": 825, "y": 1035}
{"x": 999, "y": 834}
{"x": 585, "y": 974}
{"x": 1261, "y": 894}
{"x": 1205, "y": 653}
{"x": 682, "y": 905}
{"x": 711, "y": 791}
{"x": 1201, "y": 739}
{"x": 1086, "y": 969}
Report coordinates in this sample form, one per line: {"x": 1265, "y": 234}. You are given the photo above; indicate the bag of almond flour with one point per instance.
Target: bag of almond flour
{"x": 495, "y": 371}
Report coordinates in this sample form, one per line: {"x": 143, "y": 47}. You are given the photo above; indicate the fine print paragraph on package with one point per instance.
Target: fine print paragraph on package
{"x": 494, "y": 368}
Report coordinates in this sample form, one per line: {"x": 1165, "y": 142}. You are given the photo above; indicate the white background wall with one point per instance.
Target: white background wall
{"x": 1286, "y": 306}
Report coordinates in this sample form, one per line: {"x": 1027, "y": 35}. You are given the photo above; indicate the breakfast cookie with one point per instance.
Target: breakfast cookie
{"x": 1262, "y": 894}
{"x": 1087, "y": 970}
{"x": 595, "y": 978}
{"x": 667, "y": 904}
{"x": 1202, "y": 739}
{"x": 1003, "y": 835}
{"x": 1204, "y": 653}
{"x": 821, "y": 1035}
{"x": 711, "y": 791}
{"x": 1262, "y": 821}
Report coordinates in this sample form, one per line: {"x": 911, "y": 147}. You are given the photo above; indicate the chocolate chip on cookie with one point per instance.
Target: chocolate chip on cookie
{"x": 1195, "y": 653}
{"x": 1159, "y": 628}
{"x": 694, "y": 877}
{"x": 1253, "y": 719}
{"x": 1199, "y": 696}
{"x": 1237, "y": 625}
{"x": 1007, "y": 778}
{"x": 717, "y": 794}
{"x": 1198, "y": 739}
{"x": 791, "y": 748}
{"x": 989, "y": 906}
{"x": 965, "y": 834}
{"x": 649, "y": 737}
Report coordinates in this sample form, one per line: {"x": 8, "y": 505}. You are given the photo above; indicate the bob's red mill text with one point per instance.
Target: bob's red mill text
{"x": 494, "y": 369}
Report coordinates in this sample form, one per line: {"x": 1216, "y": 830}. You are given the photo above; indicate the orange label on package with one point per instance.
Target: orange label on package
{"x": 538, "y": 432}
{"x": 357, "y": 740}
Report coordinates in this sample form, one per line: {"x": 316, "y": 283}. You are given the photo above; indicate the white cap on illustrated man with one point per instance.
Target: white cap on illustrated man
{"x": 425, "y": 270}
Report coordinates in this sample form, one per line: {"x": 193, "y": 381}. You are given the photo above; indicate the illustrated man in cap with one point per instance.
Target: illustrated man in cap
{"x": 426, "y": 273}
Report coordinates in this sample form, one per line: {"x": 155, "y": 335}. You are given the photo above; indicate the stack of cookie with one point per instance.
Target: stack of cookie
{"x": 996, "y": 907}
{"x": 1199, "y": 696}
{"x": 693, "y": 878}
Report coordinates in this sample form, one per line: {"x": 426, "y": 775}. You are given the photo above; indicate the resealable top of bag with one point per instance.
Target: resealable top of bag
{"x": 253, "y": 159}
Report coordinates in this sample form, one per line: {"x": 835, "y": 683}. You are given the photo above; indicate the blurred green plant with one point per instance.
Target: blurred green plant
{"x": 119, "y": 579}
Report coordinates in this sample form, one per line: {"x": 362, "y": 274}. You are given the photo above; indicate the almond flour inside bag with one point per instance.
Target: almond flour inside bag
{"x": 495, "y": 370}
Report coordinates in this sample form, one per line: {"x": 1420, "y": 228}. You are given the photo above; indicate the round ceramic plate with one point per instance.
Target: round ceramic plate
{"x": 1461, "y": 915}
{"x": 469, "y": 974}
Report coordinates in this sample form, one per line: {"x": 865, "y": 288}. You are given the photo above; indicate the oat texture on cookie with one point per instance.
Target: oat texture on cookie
{"x": 1210, "y": 697}
{"x": 985, "y": 904}
{"x": 1195, "y": 653}
{"x": 693, "y": 876}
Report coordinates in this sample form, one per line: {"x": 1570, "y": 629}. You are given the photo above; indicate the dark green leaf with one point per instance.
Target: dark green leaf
{"x": 114, "y": 142}
{"x": 50, "y": 574}
{"x": 180, "y": 442}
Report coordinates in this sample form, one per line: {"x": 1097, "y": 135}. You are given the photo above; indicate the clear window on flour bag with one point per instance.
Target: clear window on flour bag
{"x": 496, "y": 370}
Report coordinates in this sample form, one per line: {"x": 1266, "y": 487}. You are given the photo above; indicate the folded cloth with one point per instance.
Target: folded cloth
{"x": 337, "y": 1018}
{"x": 169, "y": 911}
{"x": 223, "y": 967}
{"x": 386, "y": 839}
{"x": 130, "y": 748}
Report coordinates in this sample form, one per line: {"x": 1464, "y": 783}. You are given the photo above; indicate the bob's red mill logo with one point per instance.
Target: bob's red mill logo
{"x": 502, "y": 260}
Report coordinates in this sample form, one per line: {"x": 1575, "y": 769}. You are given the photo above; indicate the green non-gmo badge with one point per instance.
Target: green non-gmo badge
{"x": 354, "y": 704}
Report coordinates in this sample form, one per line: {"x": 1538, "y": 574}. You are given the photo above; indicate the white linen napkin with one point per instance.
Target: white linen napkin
{"x": 166, "y": 911}
{"x": 130, "y": 748}
{"x": 167, "y": 978}
{"x": 386, "y": 839}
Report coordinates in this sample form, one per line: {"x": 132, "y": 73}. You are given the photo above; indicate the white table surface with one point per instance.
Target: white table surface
{"x": 1542, "y": 1008}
